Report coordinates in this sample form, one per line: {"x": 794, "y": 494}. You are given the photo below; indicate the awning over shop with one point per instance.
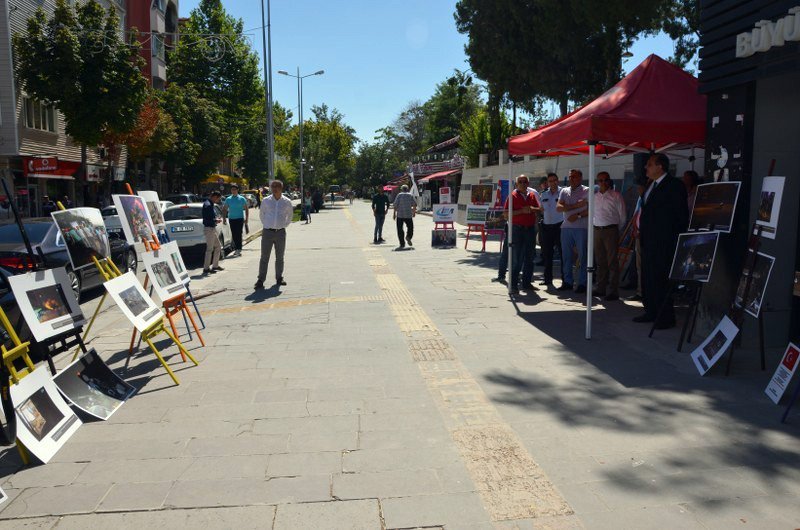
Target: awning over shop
{"x": 442, "y": 175}
{"x": 33, "y": 168}
{"x": 218, "y": 178}
{"x": 390, "y": 188}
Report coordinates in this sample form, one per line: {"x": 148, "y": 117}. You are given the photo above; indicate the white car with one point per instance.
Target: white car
{"x": 185, "y": 226}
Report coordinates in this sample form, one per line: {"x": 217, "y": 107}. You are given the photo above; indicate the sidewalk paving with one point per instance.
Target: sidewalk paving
{"x": 384, "y": 389}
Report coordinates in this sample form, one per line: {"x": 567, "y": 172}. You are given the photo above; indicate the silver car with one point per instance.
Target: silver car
{"x": 111, "y": 220}
{"x": 184, "y": 225}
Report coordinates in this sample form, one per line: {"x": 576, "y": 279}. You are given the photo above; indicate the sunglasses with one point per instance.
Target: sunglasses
{"x": 522, "y": 182}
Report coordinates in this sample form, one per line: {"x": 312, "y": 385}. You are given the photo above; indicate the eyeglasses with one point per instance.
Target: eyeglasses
{"x": 523, "y": 181}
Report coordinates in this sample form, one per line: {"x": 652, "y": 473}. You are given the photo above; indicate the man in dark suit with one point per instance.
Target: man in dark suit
{"x": 664, "y": 215}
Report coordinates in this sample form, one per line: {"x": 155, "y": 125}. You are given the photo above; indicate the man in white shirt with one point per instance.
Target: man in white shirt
{"x": 276, "y": 214}
{"x": 573, "y": 202}
{"x": 608, "y": 220}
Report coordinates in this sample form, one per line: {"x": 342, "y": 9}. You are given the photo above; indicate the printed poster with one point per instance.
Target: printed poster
{"x": 783, "y": 374}
{"x": 769, "y": 206}
{"x": 714, "y": 347}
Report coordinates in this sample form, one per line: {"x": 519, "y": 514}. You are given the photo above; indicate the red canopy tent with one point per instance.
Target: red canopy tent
{"x": 655, "y": 108}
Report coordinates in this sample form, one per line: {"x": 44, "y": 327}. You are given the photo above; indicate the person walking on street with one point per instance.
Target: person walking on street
{"x": 608, "y": 220}
{"x": 213, "y": 246}
{"x": 405, "y": 208}
{"x": 239, "y": 214}
{"x": 380, "y": 205}
{"x": 276, "y": 215}
{"x": 550, "y": 233}
{"x": 573, "y": 202}
{"x": 525, "y": 206}
{"x": 307, "y": 207}
{"x": 48, "y": 206}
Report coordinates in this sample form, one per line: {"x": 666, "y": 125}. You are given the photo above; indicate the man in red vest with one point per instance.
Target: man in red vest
{"x": 525, "y": 208}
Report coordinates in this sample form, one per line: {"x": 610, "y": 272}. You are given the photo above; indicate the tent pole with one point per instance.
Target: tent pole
{"x": 590, "y": 245}
{"x": 511, "y": 187}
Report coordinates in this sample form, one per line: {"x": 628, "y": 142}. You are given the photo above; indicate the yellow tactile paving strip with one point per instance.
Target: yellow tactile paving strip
{"x": 292, "y": 303}
{"x": 510, "y": 483}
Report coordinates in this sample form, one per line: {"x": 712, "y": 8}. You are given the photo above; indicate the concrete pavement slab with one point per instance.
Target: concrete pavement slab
{"x": 344, "y": 515}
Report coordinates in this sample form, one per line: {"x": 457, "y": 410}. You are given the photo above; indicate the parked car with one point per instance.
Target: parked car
{"x": 165, "y": 204}
{"x": 111, "y": 220}
{"x": 183, "y": 198}
{"x": 44, "y": 234}
{"x": 251, "y": 200}
{"x": 256, "y": 194}
{"x": 185, "y": 226}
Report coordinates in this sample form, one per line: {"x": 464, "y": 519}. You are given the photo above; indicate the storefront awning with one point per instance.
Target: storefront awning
{"x": 218, "y": 178}
{"x": 390, "y": 188}
{"x": 442, "y": 175}
{"x": 63, "y": 170}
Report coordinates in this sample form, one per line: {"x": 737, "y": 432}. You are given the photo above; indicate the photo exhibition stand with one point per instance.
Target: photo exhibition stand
{"x": 696, "y": 291}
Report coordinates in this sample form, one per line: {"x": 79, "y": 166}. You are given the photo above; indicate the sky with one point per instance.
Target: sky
{"x": 377, "y": 55}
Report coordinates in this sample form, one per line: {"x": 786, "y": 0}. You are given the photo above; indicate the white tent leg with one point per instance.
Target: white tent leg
{"x": 590, "y": 246}
{"x": 511, "y": 187}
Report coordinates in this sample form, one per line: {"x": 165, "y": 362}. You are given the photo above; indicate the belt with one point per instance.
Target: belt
{"x": 605, "y": 227}
{"x": 275, "y": 229}
{"x": 552, "y": 224}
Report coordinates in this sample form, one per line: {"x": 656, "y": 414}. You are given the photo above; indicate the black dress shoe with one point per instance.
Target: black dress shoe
{"x": 598, "y": 293}
{"x": 667, "y": 324}
{"x": 611, "y": 297}
{"x": 643, "y": 319}
{"x": 634, "y": 298}
{"x": 529, "y": 287}
{"x": 499, "y": 279}
{"x": 565, "y": 287}
{"x": 546, "y": 283}
{"x": 280, "y": 281}
{"x": 217, "y": 269}
{"x": 581, "y": 289}
{"x": 514, "y": 289}
{"x": 259, "y": 285}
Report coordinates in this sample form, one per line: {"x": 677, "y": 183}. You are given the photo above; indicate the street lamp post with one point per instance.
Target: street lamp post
{"x": 300, "y": 115}
{"x": 267, "y": 47}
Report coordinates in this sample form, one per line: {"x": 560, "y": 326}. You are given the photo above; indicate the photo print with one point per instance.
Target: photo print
{"x": 482, "y": 194}
{"x": 443, "y": 238}
{"x": 160, "y": 267}
{"x": 769, "y": 207}
{"x": 694, "y": 257}
{"x": 44, "y": 420}
{"x": 134, "y": 217}
{"x": 134, "y": 302}
{"x": 495, "y": 219}
{"x": 174, "y": 253}
{"x": 153, "y": 204}
{"x": 163, "y": 274}
{"x": 91, "y": 386}
{"x": 47, "y": 302}
{"x": 758, "y": 283}
{"x": 714, "y": 347}
{"x": 476, "y": 214}
{"x": 714, "y": 206}
{"x": 84, "y": 234}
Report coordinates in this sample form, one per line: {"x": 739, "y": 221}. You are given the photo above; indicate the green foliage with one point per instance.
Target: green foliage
{"x": 681, "y": 21}
{"x": 476, "y": 134}
{"x": 450, "y": 105}
{"x": 375, "y": 164}
{"x": 78, "y": 61}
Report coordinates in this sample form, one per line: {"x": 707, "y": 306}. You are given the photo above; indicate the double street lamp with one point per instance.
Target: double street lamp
{"x": 300, "y": 115}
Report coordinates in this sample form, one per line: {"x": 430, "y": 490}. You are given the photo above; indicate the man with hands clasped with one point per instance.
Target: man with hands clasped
{"x": 573, "y": 201}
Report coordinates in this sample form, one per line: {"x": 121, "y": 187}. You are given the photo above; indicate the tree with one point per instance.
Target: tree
{"x": 78, "y": 61}
{"x": 682, "y": 23}
{"x": 375, "y": 164}
{"x": 476, "y": 134}
{"x": 153, "y": 133}
{"x": 449, "y": 106}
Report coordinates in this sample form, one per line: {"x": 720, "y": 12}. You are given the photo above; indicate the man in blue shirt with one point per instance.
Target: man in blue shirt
{"x": 239, "y": 214}
{"x": 551, "y": 226}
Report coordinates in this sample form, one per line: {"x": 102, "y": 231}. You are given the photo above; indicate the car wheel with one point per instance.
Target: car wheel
{"x": 75, "y": 283}
{"x": 131, "y": 261}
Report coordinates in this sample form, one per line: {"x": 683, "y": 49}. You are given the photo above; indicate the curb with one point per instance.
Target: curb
{"x": 252, "y": 237}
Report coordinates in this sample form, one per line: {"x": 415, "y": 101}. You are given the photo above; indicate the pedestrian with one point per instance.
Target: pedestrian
{"x": 352, "y": 196}
{"x": 380, "y": 206}
{"x": 66, "y": 202}
{"x": 213, "y": 246}
{"x": 573, "y": 202}
{"x": 405, "y": 208}
{"x": 525, "y": 207}
{"x": 276, "y": 215}
{"x": 607, "y": 221}
{"x": 237, "y": 211}
{"x": 550, "y": 233}
{"x": 691, "y": 180}
{"x": 665, "y": 214}
{"x": 48, "y": 206}
{"x": 307, "y": 207}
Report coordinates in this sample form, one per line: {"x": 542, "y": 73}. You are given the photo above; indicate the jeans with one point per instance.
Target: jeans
{"x": 410, "y": 227}
{"x": 523, "y": 239}
{"x": 270, "y": 238}
{"x": 307, "y": 211}
{"x": 237, "y": 225}
{"x": 379, "y": 219}
{"x": 573, "y": 237}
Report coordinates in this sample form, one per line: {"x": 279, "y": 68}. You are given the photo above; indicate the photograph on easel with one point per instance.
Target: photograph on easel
{"x": 714, "y": 206}
{"x": 714, "y": 347}
{"x": 174, "y": 253}
{"x": 758, "y": 283}
{"x": 769, "y": 207}
{"x": 134, "y": 217}
{"x": 694, "y": 257}
{"x": 134, "y": 302}
{"x": 482, "y": 194}
{"x": 47, "y": 302}
{"x": 84, "y": 234}
{"x": 443, "y": 238}
{"x": 495, "y": 219}
{"x": 165, "y": 279}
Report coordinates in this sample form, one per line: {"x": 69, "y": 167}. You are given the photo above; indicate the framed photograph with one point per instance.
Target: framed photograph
{"x": 47, "y": 302}
{"x": 165, "y": 279}
{"x": 44, "y": 420}
{"x": 714, "y": 206}
{"x": 174, "y": 252}
{"x": 91, "y": 386}
{"x": 134, "y": 217}
{"x": 495, "y": 219}
{"x": 482, "y": 194}
{"x": 769, "y": 206}
{"x": 443, "y": 238}
{"x": 84, "y": 234}
{"x": 714, "y": 347}
{"x": 476, "y": 214}
{"x": 694, "y": 256}
{"x": 153, "y": 204}
{"x": 758, "y": 285}
{"x": 134, "y": 302}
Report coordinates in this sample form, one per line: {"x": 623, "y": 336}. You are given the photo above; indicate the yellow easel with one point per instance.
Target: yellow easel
{"x": 19, "y": 351}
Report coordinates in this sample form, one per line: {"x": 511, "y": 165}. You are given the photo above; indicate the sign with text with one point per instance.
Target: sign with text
{"x": 444, "y": 213}
{"x": 39, "y": 164}
{"x": 476, "y": 214}
{"x": 444, "y": 195}
{"x": 783, "y": 374}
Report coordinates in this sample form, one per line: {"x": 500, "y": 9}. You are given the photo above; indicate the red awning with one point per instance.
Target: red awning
{"x": 65, "y": 170}
{"x": 390, "y": 188}
{"x": 442, "y": 175}
{"x": 654, "y": 108}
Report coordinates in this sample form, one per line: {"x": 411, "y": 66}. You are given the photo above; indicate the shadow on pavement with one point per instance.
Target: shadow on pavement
{"x": 263, "y": 294}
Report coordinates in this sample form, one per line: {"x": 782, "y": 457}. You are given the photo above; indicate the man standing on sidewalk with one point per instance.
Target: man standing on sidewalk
{"x": 380, "y": 205}
{"x": 213, "y": 246}
{"x": 573, "y": 202}
{"x": 405, "y": 208}
{"x": 550, "y": 234}
{"x": 239, "y": 214}
{"x": 525, "y": 206}
{"x": 608, "y": 220}
{"x": 276, "y": 215}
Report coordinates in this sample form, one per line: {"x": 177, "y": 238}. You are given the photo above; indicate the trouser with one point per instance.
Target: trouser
{"x": 213, "y": 248}
{"x": 655, "y": 282}
{"x": 410, "y": 230}
{"x": 379, "y": 219}
{"x": 550, "y": 236}
{"x": 237, "y": 225}
{"x": 606, "y": 244}
{"x": 522, "y": 239}
{"x": 573, "y": 237}
{"x": 502, "y": 267}
{"x": 270, "y": 238}
{"x": 638, "y": 267}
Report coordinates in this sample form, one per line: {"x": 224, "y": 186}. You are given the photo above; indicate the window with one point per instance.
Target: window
{"x": 157, "y": 44}
{"x": 39, "y": 116}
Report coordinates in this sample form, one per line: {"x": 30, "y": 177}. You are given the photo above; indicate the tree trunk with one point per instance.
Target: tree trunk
{"x": 82, "y": 173}
{"x": 563, "y": 106}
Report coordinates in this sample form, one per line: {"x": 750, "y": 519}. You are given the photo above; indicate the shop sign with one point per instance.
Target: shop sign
{"x": 768, "y": 34}
{"x": 36, "y": 165}
{"x": 444, "y": 213}
{"x": 119, "y": 174}
{"x": 93, "y": 173}
{"x": 444, "y": 195}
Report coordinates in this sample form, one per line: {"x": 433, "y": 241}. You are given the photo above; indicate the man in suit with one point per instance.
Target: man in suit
{"x": 664, "y": 215}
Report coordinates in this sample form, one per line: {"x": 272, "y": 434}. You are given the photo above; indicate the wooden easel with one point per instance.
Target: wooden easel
{"x": 696, "y": 288}
{"x": 475, "y": 229}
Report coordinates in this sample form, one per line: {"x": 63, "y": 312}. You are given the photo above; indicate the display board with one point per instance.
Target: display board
{"x": 482, "y": 194}
{"x": 84, "y": 234}
{"x": 44, "y": 420}
{"x": 714, "y": 347}
{"x": 783, "y": 374}
{"x": 769, "y": 207}
{"x": 503, "y": 187}
{"x": 495, "y": 219}
{"x": 476, "y": 214}
{"x": 131, "y": 298}
{"x": 134, "y": 218}
{"x": 445, "y": 196}
{"x": 91, "y": 386}
{"x": 153, "y": 205}
{"x": 444, "y": 213}
{"x": 164, "y": 278}
{"x": 694, "y": 256}
{"x": 47, "y": 302}
{"x": 758, "y": 284}
{"x": 177, "y": 260}
{"x": 443, "y": 238}
{"x": 714, "y": 206}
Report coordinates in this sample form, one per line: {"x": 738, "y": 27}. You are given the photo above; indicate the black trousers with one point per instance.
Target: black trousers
{"x": 550, "y": 236}
{"x": 236, "y": 232}
{"x": 656, "y": 263}
{"x": 410, "y": 230}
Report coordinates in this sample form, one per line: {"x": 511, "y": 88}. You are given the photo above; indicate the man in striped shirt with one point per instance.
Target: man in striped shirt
{"x": 405, "y": 208}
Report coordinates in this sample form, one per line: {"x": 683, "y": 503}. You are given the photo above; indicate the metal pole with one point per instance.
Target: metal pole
{"x": 590, "y": 245}
{"x": 300, "y": 122}
{"x": 509, "y": 247}
{"x": 270, "y": 121}
{"x": 267, "y": 91}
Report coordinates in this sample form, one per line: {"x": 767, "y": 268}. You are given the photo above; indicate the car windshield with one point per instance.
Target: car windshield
{"x": 183, "y": 214}
{"x": 108, "y": 212}
{"x": 36, "y": 232}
